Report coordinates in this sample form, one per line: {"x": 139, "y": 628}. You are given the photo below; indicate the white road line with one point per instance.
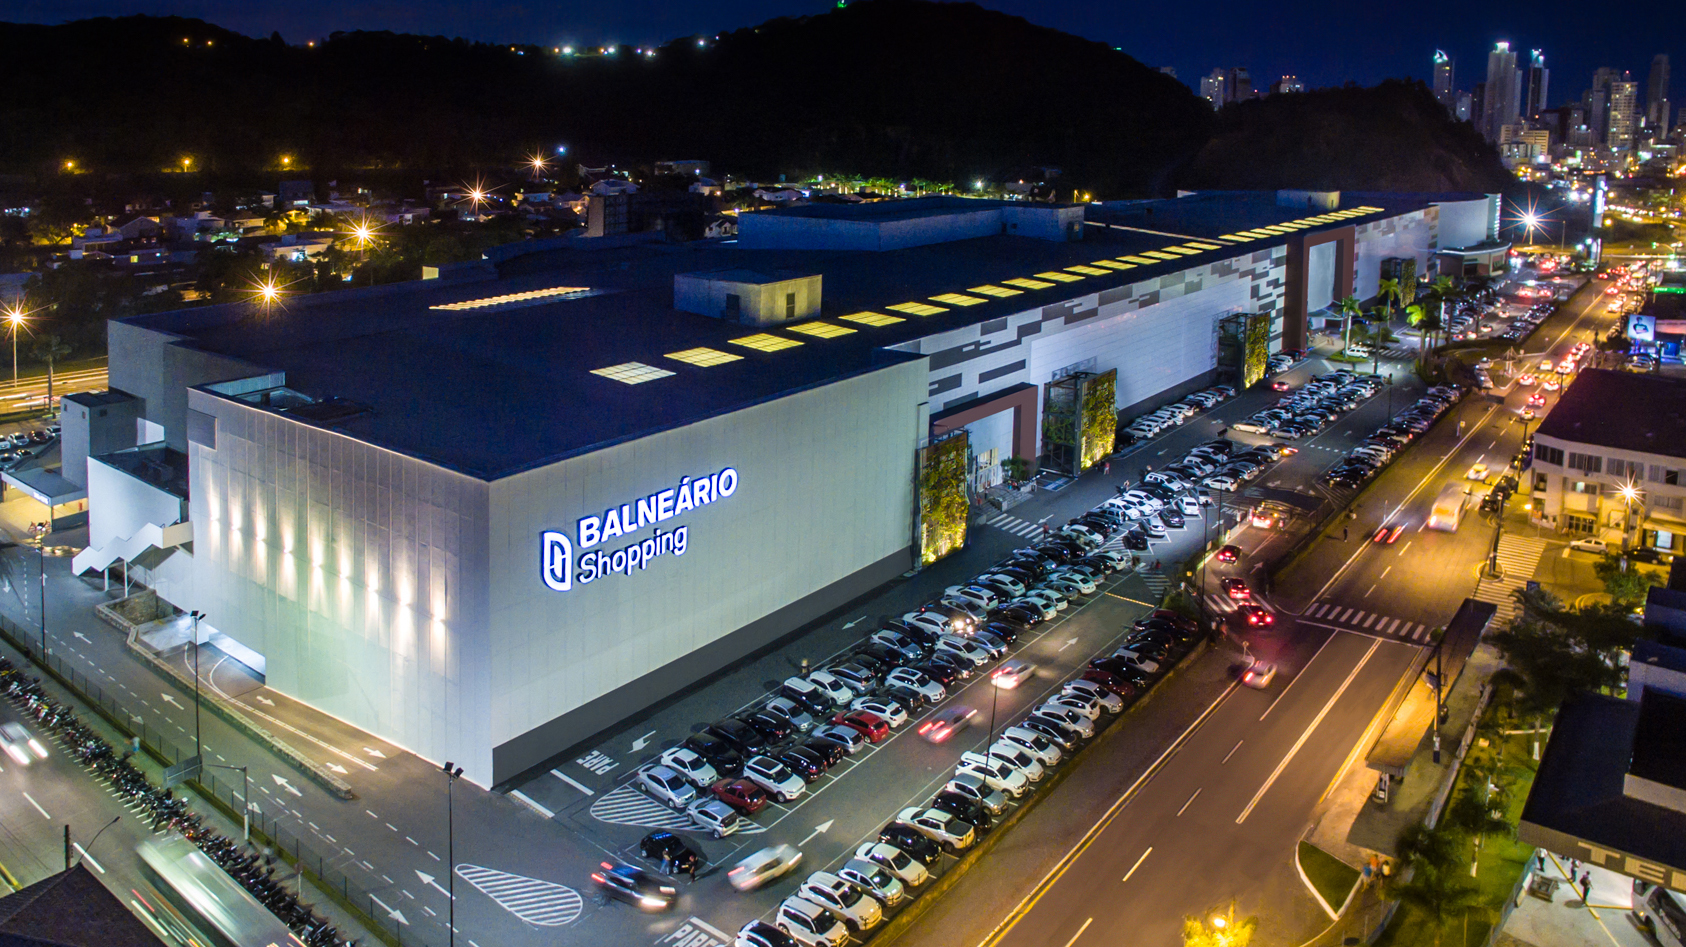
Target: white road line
{"x": 1080, "y": 930}
{"x": 1138, "y": 863}
{"x": 1291, "y": 683}
{"x": 564, "y": 777}
{"x": 540, "y": 809}
{"x": 1190, "y": 802}
{"x": 90, "y": 859}
{"x": 37, "y": 806}
{"x": 1374, "y": 644}
{"x": 1231, "y": 752}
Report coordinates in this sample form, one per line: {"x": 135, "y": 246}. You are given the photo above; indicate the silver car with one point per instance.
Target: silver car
{"x": 774, "y": 861}
{"x": 873, "y": 879}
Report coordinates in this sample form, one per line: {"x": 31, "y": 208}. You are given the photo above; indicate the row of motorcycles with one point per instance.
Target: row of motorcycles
{"x": 169, "y": 812}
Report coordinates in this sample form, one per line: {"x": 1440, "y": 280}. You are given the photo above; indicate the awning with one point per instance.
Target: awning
{"x": 45, "y": 486}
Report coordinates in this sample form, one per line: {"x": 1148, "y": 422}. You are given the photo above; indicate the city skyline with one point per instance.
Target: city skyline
{"x": 1365, "y": 46}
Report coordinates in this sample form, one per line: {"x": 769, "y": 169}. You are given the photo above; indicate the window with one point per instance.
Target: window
{"x": 1661, "y": 474}
{"x": 1667, "y": 503}
{"x": 1625, "y": 468}
{"x": 1546, "y": 454}
{"x": 1586, "y": 463}
{"x": 822, "y": 330}
{"x": 916, "y": 309}
{"x": 958, "y": 299}
{"x": 1540, "y": 480}
{"x": 1579, "y": 524}
{"x": 790, "y": 305}
{"x": 1579, "y": 486}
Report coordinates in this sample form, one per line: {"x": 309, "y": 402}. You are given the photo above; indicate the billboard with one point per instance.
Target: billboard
{"x": 1642, "y": 328}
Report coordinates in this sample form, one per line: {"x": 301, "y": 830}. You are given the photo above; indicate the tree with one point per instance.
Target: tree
{"x": 1222, "y": 929}
{"x": 1348, "y": 308}
{"x": 1440, "y": 892}
{"x": 1625, "y": 581}
{"x": 1389, "y": 292}
{"x": 50, "y": 349}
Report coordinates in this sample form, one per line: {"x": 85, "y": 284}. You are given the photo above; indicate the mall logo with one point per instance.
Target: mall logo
{"x": 557, "y": 553}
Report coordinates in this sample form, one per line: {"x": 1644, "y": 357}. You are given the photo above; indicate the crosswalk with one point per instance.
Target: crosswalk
{"x": 1014, "y": 525}
{"x": 625, "y": 805}
{"x": 536, "y": 902}
{"x": 1398, "y": 351}
{"x": 1518, "y": 557}
{"x": 1366, "y": 622}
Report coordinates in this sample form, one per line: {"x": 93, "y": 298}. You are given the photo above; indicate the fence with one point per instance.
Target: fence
{"x": 320, "y": 871}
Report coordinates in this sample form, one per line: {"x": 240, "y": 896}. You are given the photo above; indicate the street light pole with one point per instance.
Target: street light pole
{"x": 452, "y": 771}
{"x": 198, "y": 748}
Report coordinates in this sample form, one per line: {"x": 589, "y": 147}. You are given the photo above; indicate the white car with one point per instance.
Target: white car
{"x": 833, "y": 686}
{"x": 1034, "y": 743}
{"x": 1082, "y": 534}
{"x": 665, "y": 785}
{"x": 1144, "y": 499}
{"x": 1251, "y": 426}
{"x": 915, "y": 679}
{"x": 1005, "y": 583}
{"x": 690, "y": 765}
{"x": 1048, "y": 600}
{"x": 973, "y": 595}
{"x": 1109, "y": 702}
{"x": 768, "y": 864}
{"x": 1012, "y": 673}
{"x": 945, "y": 828}
{"x": 1071, "y": 718}
{"x": 966, "y": 648}
{"x": 1025, "y": 763}
{"x": 1223, "y": 482}
{"x": 1144, "y": 664}
{"x": 1189, "y": 505}
{"x": 792, "y": 711}
{"x": 994, "y": 773}
{"x": 905, "y": 867}
{"x": 811, "y": 692}
{"x": 1042, "y": 609}
{"x": 874, "y": 880}
{"x": 1590, "y": 544}
{"x": 1083, "y": 705}
{"x": 974, "y": 788}
{"x": 929, "y": 622}
{"x": 1084, "y": 583}
{"x": 718, "y": 818}
{"x": 842, "y": 899}
{"x": 773, "y": 776}
{"x": 892, "y": 712}
{"x": 20, "y": 744}
{"x": 810, "y": 924}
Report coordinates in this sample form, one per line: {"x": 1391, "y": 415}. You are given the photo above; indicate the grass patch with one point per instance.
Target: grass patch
{"x": 1332, "y": 877}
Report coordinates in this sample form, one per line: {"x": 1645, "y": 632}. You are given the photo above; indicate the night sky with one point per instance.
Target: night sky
{"x": 1324, "y": 43}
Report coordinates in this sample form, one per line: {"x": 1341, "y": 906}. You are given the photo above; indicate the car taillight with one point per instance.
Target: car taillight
{"x": 595, "y": 876}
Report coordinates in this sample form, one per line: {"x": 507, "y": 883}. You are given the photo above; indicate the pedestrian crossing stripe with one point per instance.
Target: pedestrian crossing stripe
{"x": 1014, "y": 525}
{"x": 1517, "y": 556}
{"x": 537, "y": 902}
{"x": 625, "y": 805}
{"x": 1358, "y": 619}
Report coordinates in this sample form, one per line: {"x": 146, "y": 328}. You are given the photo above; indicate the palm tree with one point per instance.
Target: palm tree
{"x": 1348, "y": 308}
{"x": 50, "y": 349}
{"x": 1390, "y": 293}
{"x": 1439, "y": 893}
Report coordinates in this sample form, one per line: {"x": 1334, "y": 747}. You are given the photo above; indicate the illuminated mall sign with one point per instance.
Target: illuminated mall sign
{"x": 557, "y": 553}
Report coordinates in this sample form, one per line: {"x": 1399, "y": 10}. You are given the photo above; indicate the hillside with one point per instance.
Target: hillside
{"x": 1393, "y": 137}
{"x": 900, "y": 88}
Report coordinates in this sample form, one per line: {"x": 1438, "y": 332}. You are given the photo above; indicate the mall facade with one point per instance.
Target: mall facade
{"x": 491, "y": 516}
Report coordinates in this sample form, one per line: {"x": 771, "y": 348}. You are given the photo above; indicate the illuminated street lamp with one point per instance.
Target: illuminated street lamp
{"x": 537, "y": 163}
{"x": 14, "y": 322}
{"x": 1630, "y": 494}
{"x": 187, "y": 163}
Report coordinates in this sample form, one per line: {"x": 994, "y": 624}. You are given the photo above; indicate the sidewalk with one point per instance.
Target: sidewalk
{"x": 1561, "y": 918}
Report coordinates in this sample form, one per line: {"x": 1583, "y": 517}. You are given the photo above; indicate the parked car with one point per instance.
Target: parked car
{"x": 667, "y": 786}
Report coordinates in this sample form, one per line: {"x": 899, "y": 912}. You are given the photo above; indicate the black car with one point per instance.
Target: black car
{"x": 1153, "y": 640}
{"x": 1000, "y": 629}
{"x": 1106, "y": 566}
{"x": 1060, "y": 554}
{"x": 671, "y": 852}
{"x": 1015, "y": 614}
{"x": 763, "y": 934}
{"x": 1172, "y": 518}
{"x": 1121, "y": 669}
{"x": 718, "y": 752}
{"x": 962, "y": 666}
{"x": 941, "y": 672}
{"x": 771, "y": 724}
{"x": 831, "y": 753}
{"x": 1648, "y": 554}
{"x": 1135, "y": 541}
{"x": 919, "y": 633}
{"x": 634, "y": 886}
{"x": 739, "y": 735}
{"x": 874, "y": 658}
{"x": 1148, "y": 647}
{"x": 964, "y": 808}
{"x": 804, "y": 763}
{"x": 903, "y": 647}
{"x": 1061, "y": 737}
{"x": 909, "y": 840}
{"x": 913, "y": 700}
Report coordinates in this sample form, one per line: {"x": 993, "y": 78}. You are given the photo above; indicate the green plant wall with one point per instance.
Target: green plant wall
{"x": 943, "y": 505}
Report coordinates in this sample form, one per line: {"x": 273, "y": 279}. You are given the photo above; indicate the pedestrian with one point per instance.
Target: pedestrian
{"x": 1586, "y": 886}
{"x": 1539, "y": 860}
{"x": 1046, "y": 529}
{"x": 1106, "y": 467}
{"x": 1343, "y": 534}
{"x": 694, "y": 870}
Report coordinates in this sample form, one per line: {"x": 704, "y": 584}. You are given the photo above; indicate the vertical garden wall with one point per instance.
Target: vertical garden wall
{"x": 943, "y": 504}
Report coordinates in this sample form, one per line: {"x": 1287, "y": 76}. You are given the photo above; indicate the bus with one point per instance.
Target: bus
{"x": 1448, "y": 508}
{"x": 209, "y": 899}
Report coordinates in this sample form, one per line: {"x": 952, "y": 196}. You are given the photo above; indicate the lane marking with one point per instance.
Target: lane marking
{"x": 37, "y": 806}
{"x": 1190, "y": 802}
{"x": 564, "y": 777}
{"x": 1330, "y": 705}
{"x": 1080, "y": 931}
{"x": 1231, "y": 752}
{"x": 1138, "y": 863}
{"x": 89, "y": 858}
{"x": 1296, "y": 679}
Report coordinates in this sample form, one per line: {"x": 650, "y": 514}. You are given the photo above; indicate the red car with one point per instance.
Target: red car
{"x": 1228, "y": 553}
{"x": 1237, "y": 588}
{"x": 740, "y": 794}
{"x": 864, "y": 722}
{"x": 1256, "y": 616}
{"x": 1111, "y": 682}
{"x": 1280, "y": 385}
{"x": 1536, "y": 399}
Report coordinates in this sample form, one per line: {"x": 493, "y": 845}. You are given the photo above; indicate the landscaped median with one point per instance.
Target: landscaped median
{"x": 899, "y": 925}
{"x": 1331, "y": 880}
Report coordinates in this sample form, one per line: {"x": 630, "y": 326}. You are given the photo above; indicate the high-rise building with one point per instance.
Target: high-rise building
{"x": 1656, "y": 95}
{"x": 1443, "y": 90}
{"x": 1465, "y": 109}
{"x": 1538, "y": 77}
{"x": 1212, "y": 88}
{"x": 1597, "y": 101}
{"x": 1287, "y": 84}
{"x": 1624, "y": 114}
{"x": 1502, "y": 102}
{"x": 1238, "y": 85}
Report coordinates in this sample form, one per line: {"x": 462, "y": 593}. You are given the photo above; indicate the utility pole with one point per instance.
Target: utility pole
{"x": 452, "y": 771}
{"x": 198, "y": 748}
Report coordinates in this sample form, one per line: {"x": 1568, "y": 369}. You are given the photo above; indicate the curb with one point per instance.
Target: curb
{"x": 317, "y": 774}
{"x": 899, "y": 925}
{"x": 1317, "y": 895}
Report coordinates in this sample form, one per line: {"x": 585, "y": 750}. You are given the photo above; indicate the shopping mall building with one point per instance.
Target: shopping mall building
{"x": 487, "y": 517}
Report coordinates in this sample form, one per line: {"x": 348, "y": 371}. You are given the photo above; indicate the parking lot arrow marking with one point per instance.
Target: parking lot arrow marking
{"x": 395, "y": 915}
{"x": 285, "y": 785}
{"x": 818, "y": 829}
{"x": 172, "y": 701}
{"x": 374, "y": 752}
{"x": 78, "y": 634}
{"x": 854, "y": 623}
{"x": 265, "y": 701}
{"x": 642, "y": 741}
{"x": 427, "y": 879}
{"x": 337, "y": 768}
{"x": 1068, "y": 643}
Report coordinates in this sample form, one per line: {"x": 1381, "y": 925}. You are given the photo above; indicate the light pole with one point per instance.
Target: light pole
{"x": 245, "y": 800}
{"x": 198, "y": 749}
{"x": 14, "y": 321}
{"x": 452, "y": 771}
{"x": 1630, "y": 495}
